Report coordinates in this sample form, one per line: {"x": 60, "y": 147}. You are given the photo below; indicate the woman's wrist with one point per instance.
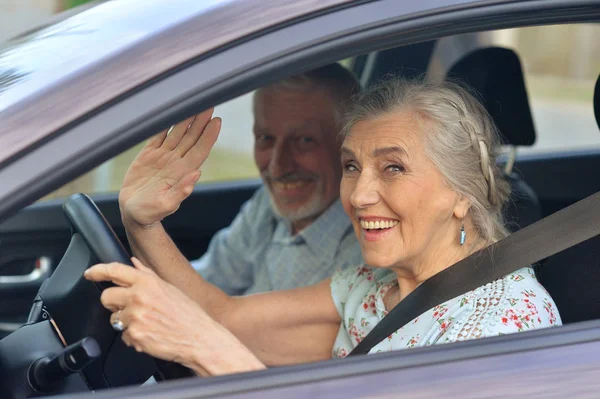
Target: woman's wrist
{"x": 227, "y": 356}
{"x": 133, "y": 226}
{"x": 220, "y": 365}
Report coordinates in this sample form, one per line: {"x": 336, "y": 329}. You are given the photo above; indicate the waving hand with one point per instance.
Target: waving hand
{"x": 164, "y": 172}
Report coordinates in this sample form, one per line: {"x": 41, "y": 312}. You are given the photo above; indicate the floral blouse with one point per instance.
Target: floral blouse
{"x": 516, "y": 302}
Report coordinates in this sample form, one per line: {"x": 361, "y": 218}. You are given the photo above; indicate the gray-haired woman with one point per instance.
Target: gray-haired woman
{"x": 422, "y": 189}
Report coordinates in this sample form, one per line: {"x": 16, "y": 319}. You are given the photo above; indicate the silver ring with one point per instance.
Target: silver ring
{"x": 118, "y": 324}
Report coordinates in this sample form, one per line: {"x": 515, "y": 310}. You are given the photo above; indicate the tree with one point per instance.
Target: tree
{"x": 74, "y": 3}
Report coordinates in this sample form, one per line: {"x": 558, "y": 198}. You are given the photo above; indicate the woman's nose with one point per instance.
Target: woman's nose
{"x": 364, "y": 193}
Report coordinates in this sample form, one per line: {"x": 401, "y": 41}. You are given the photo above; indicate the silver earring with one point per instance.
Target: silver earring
{"x": 463, "y": 233}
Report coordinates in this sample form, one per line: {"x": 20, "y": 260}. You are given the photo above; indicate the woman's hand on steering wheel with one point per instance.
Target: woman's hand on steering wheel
{"x": 160, "y": 320}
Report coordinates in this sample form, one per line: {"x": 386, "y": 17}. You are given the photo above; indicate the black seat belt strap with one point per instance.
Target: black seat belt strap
{"x": 557, "y": 232}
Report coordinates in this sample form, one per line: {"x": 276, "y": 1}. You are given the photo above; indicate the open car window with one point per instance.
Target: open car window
{"x": 560, "y": 88}
{"x": 230, "y": 160}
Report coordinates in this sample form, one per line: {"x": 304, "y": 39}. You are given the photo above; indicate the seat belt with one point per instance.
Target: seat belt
{"x": 557, "y": 232}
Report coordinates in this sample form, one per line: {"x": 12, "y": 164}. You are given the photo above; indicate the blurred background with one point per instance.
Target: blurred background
{"x": 18, "y": 16}
{"x": 560, "y": 91}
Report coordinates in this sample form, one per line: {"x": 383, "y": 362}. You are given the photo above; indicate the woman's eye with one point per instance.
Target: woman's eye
{"x": 395, "y": 168}
{"x": 350, "y": 167}
{"x": 305, "y": 140}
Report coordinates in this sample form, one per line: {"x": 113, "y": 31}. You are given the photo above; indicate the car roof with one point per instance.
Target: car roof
{"x": 54, "y": 77}
{"x": 56, "y": 74}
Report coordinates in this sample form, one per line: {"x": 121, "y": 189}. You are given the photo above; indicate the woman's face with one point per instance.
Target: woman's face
{"x": 404, "y": 213}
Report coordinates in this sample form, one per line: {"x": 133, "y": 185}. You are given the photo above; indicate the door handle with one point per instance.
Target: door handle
{"x": 8, "y": 327}
{"x": 41, "y": 271}
{"x": 22, "y": 286}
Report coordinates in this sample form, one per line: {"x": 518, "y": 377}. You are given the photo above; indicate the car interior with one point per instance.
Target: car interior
{"x": 39, "y": 238}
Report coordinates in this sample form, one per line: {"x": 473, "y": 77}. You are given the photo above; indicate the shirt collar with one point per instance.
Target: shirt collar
{"x": 322, "y": 236}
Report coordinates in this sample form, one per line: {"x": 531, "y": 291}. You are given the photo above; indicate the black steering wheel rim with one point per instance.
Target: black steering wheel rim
{"x": 88, "y": 221}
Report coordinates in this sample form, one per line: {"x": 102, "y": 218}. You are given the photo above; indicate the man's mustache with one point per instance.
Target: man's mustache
{"x": 289, "y": 177}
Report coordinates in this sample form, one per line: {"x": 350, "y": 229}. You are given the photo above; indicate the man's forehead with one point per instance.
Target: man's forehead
{"x": 287, "y": 126}
{"x": 293, "y": 101}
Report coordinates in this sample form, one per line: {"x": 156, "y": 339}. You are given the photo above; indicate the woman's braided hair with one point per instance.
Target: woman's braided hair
{"x": 460, "y": 139}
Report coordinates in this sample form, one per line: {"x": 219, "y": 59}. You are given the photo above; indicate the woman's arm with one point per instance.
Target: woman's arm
{"x": 286, "y": 327}
{"x": 277, "y": 328}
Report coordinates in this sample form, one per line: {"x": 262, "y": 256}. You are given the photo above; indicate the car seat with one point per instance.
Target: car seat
{"x": 573, "y": 276}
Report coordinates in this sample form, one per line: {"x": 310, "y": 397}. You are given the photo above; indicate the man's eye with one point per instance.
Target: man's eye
{"x": 263, "y": 141}
{"x": 263, "y": 137}
{"x": 305, "y": 143}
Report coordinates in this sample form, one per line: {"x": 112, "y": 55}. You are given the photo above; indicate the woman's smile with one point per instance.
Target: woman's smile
{"x": 376, "y": 228}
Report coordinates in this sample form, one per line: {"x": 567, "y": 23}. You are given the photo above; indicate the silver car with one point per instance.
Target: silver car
{"x": 86, "y": 87}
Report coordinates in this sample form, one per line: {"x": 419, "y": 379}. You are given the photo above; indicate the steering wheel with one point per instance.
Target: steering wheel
{"x": 68, "y": 311}
{"x": 87, "y": 220}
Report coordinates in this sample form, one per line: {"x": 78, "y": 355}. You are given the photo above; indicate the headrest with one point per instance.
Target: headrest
{"x": 496, "y": 74}
{"x": 409, "y": 61}
{"x": 597, "y": 101}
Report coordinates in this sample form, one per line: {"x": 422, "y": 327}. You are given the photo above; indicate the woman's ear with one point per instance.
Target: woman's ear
{"x": 462, "y": 207}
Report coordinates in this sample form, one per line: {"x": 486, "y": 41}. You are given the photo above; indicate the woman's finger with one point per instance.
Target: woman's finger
{"x": 157, "y": 140}
{"x": 183, "y": 188}
{"x": 118, "y": 273}
{"x": 176, "y": 133}
{"x": 199, "y": 152}
{"x": 140, "y": 266}
{"x": 194, "y": 132}
{"x": 115, "y": 298}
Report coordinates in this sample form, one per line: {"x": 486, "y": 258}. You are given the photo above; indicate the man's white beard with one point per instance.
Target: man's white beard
{"x": 309, "y": 210}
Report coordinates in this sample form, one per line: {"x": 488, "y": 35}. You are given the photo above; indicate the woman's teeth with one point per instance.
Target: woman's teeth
{"x": 379, "y": 224}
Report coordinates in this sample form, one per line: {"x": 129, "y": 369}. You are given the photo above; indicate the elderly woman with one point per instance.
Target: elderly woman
{"x": 422, "y": 189}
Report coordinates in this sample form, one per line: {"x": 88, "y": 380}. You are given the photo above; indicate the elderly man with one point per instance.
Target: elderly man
{"x": 293, "y": 231}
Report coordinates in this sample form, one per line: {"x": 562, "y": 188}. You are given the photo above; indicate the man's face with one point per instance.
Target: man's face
{"x": 296, "y": 151}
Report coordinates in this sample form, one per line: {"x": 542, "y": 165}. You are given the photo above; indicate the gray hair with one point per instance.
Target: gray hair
{"x": 341, "y": 84}
{"x": 460, "y": 139}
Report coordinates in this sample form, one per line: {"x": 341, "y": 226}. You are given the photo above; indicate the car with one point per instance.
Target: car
{"x": 81, "y": 90}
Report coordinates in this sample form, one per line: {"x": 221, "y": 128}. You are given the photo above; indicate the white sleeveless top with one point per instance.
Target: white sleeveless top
{"x": 516, "y": 302}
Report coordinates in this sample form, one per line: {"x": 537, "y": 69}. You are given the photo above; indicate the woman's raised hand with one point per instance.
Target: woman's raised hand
{"x": 165, "y": 171}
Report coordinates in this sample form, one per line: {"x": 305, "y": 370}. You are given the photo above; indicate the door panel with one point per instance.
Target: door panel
{"x": 33, "y": 241}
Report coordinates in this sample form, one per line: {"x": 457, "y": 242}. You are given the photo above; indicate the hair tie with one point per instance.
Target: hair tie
{"x": 485, "y": 160}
